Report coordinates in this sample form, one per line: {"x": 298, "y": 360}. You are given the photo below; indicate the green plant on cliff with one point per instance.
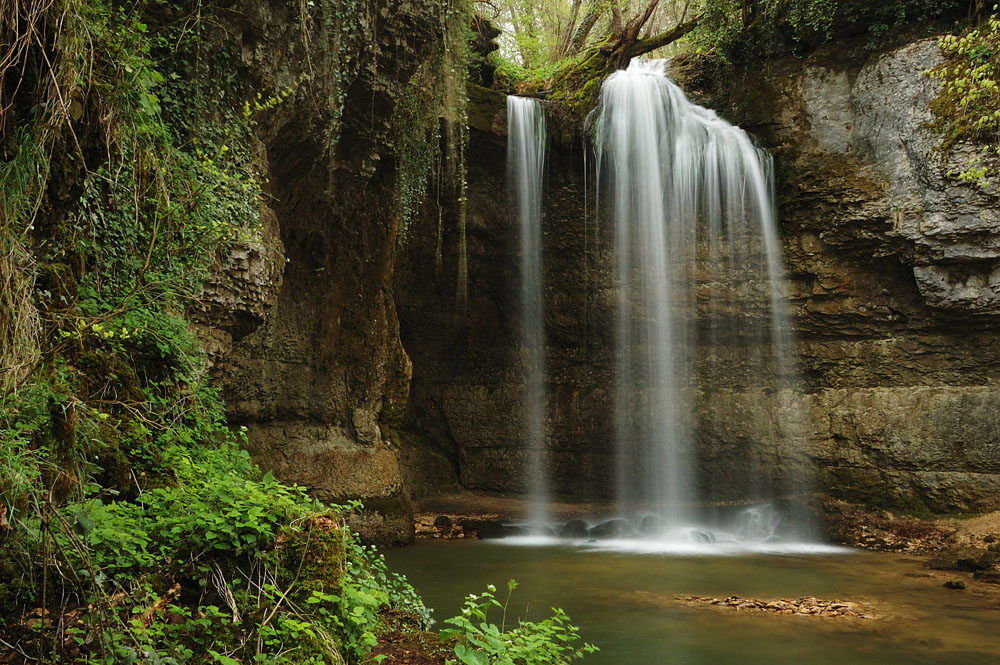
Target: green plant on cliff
{"x": 752, "y": 30}
{"x": 431, "y": 138}
{"x": 339, "y": 25}
{"x": 417, "y": 134}
{"x": 967, "y": 110}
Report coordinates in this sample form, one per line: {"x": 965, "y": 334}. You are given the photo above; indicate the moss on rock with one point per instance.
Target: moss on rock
{"x": 312, "y": 556}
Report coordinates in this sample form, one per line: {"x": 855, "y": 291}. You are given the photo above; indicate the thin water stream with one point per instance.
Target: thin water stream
{"x": 626, "y": 603}
{"x": 525, "y": 166}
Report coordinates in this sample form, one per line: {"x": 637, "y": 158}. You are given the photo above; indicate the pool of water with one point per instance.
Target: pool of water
{"x": 625, "y": 602}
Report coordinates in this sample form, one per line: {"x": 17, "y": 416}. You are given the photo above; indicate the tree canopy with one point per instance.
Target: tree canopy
{"x": 536, "y": 35}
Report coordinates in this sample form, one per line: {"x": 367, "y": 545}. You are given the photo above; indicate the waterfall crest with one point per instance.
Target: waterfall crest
{"x": 525, "y": 164}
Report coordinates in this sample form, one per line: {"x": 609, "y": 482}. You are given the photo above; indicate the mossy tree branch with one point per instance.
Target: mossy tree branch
{"x": 578, "y": 83}
{"x": 625, "y": 44}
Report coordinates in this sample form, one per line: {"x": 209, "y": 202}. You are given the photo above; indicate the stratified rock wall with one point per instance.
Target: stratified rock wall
{"x": 891, "y": 259}
{"x": 302, "y": 326}
{"x": 893, "y": 268}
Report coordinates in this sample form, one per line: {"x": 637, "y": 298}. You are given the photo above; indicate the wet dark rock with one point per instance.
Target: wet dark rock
{"x": 953, "y": 584}
{"x": 443, "y": 521}
{"x": 512, "y": 531}
{"x": 484, "y": 529}
{"x": 701, "y": 536}
{"x": 988, "y": 576}
{"x": 995, "y": 547}
{"x": 652, "y": 524}
{"x": 575, "y": 529}
{"x": 965, "y": 558}
{"x": 612, "y": 529}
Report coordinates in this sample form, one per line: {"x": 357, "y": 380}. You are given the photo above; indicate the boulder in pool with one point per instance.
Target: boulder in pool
{"x": 988, "y": 576}
{"x": 575, "y": 529}
{"x": 485, "y": 529}
{"x": 965, "y": 558}
{"x": 651, "y": 525}
{"x": 612, "y": 529}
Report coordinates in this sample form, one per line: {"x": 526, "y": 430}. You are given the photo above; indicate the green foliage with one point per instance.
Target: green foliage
{"x": 217, "y": 504}
{"x": 549, "y": 642}
{"x": 513, "y": 77}
{"x": 882, "y": 17}
{"x": 751, "y": 30}
{"x": 417, "y": 128}
{"x": 341, "y": 41}
{"x": 815, "y": 16}
{"x": 126, "y": 492}
{"x": 968, "y": 107}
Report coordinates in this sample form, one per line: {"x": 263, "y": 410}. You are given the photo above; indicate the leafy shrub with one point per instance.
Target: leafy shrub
{"x": 549, "y": 642}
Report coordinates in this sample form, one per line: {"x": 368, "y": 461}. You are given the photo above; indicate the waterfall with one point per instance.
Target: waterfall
{"x": 700, "y": 291}
{"x": 525, "y": 161}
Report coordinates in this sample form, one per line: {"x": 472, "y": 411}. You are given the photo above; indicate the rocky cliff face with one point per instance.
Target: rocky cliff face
{"x": 301, "y": 326}
{"x": 891, "y": 260}
{"x": 894, "y": 280}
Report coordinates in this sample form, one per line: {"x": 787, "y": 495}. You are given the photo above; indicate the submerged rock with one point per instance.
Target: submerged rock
{"x": 616, "y": 528}
{"x": 965, "y": 558}
{"x": 575, "y": 529}
{"x": 702, "y": 536}
{"x": 484, "y": 529}
{"x": 953, "y": 584}
{"x": 652, "y": 524}
{"x": 988, "y": 576}
{"x": 807, "y": 606}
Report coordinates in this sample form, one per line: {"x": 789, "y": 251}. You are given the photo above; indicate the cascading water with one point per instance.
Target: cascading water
{"x": 700, "y": 289}
{"x": 525, "y": 162}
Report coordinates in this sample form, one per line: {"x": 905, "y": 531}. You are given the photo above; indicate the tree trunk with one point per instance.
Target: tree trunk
{"x": 620, "y": 49}
{"x": 567, "y": 33}
{"x": 587, "y": 23}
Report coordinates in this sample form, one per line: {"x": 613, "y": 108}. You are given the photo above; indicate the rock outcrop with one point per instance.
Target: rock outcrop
{"x": 891, "y": 258}
{"x": 301, "y": 327}
{"x": 894, "y": 271}
{"x": 893, "y": 283}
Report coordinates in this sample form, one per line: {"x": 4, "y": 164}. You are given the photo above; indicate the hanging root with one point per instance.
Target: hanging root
{"x": 19, "y": 322}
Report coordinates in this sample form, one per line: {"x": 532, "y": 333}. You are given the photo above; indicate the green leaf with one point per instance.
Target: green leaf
{"x": 471, "y": 656}
{"x": 223, "y": 660}
{"x": 83, "y": 522}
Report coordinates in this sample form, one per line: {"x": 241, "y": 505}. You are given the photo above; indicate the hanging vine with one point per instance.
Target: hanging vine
{"x": 431, "y": 139}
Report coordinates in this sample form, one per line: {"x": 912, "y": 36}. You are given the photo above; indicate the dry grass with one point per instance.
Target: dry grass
{"x": 33, "y": 52}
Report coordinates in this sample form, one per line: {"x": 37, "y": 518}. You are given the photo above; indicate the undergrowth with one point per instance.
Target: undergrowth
{"x": 750, "y": 31}
{"x": 480, "y": 641}
{"x": 134, "y": 528}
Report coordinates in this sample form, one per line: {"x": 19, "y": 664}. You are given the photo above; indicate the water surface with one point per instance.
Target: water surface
{"x": 625, "y": 603}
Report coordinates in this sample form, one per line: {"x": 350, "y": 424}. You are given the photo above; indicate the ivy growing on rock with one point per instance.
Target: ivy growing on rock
{"x": 967, "y": 109}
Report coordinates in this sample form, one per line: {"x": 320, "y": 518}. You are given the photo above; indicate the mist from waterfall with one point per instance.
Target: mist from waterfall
{"x": 701, "y": 301}
{"x": 525, "y": 163}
